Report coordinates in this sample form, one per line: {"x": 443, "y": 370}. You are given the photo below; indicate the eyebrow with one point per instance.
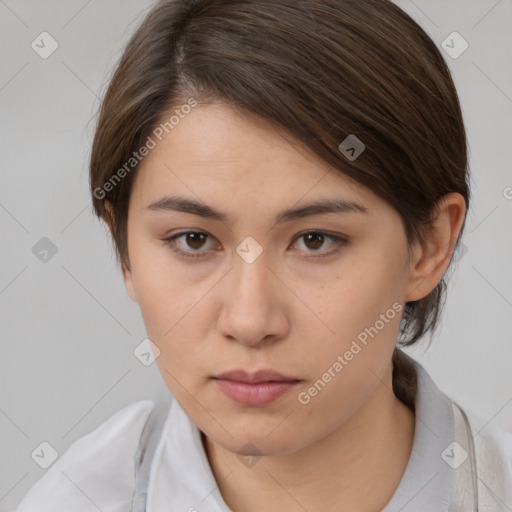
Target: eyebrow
{"x": 185, "y": 205}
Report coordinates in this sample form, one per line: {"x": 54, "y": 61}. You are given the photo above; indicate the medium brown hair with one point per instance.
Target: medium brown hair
{"x": 319, "y": 69}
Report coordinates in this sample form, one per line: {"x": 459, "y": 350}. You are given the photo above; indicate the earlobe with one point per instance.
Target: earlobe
{"x": 431, "y": 258}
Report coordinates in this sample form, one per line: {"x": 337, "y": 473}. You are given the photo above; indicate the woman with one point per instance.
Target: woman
{"x": 285, "y": 183}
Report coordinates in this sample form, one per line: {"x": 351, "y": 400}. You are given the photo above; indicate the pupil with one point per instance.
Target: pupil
{"x": 316, "y": 239}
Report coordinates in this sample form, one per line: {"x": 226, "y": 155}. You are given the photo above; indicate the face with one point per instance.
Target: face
{"x": 226, "y": 280}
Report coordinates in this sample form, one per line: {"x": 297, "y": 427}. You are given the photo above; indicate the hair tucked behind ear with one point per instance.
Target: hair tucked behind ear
{"x": 404, "y": 379}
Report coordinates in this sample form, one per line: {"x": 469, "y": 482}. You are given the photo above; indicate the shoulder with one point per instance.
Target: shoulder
{"x": 97, "y": 470}
{"x": 493, "y": 457}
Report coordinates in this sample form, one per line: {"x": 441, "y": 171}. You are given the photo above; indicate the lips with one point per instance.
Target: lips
{"x": 255, "y": 389}
{"x": 255, "y": 377}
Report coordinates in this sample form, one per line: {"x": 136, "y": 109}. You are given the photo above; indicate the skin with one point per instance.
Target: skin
{"x": 289, "y": 310}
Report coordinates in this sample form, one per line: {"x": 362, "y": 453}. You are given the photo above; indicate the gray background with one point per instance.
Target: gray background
{"x": 69, "y": 329}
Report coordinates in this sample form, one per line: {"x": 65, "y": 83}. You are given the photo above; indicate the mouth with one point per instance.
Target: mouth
{"x": 255, "y": 389}
{"x": 256, "y": 377}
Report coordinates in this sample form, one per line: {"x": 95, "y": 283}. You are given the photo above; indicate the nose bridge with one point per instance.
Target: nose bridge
{"x": 250, "y": 273}
{"x": 251, "y": 279}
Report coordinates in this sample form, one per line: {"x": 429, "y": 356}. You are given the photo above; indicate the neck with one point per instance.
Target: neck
{"x": 359, "y": 464}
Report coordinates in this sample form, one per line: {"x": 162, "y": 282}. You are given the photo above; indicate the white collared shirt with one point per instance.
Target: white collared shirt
{"x": 97, "y": 471}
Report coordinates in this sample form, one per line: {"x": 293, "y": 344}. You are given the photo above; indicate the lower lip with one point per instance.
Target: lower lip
{"x": 255, "y": 395}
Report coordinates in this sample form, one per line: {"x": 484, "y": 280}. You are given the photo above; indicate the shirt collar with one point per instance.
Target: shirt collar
{"x": 427, "y": 480}
{"x": 182, "y": 479}
{"x": 181, "y": 476}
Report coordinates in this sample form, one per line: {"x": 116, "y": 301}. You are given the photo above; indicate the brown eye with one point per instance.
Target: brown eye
{"x": 315, "y": 241}
{"x": 190, "y": 244}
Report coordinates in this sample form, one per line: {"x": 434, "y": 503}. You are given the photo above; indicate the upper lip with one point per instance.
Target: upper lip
{"x": 254, "y": 377}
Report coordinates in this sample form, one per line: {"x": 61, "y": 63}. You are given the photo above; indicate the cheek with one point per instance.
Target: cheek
{"x": 347, "y": 366}
{"x": 362, "y": 309}
{"x": 171, "y": 300}
{"x": 358, "y": 294}
{"x": 171, "y": 323}
{"x": 159, "y": 295}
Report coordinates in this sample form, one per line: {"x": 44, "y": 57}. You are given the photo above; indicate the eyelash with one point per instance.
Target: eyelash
{"x": 339, "y": 240}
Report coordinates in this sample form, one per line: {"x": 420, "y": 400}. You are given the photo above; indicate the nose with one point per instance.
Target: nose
{"x": 254, "y": 308}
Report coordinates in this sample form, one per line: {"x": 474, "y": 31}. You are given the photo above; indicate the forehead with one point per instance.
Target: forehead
{"x": 216, "y": 151}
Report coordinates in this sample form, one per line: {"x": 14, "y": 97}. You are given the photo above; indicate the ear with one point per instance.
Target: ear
{"x": 127, "y": 274}
{"x": 431, "y": 258}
